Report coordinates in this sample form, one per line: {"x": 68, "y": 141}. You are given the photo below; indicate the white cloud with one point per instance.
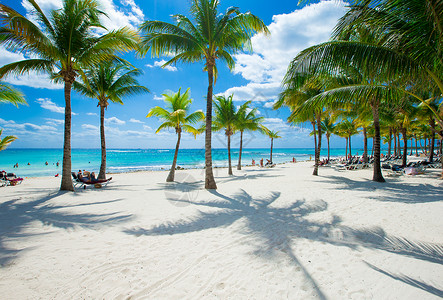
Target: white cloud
{"x": 290, "y": 33}
{"x": 26, "y": 127}
{"x": 90, "y": 127}
{"x": 114, "y": 121}
{"x": 54, "y": 122}
{"x": 158, "y": 98}
{"x": 269, "y": 104}
{"x": 132, "y": 120}
{"x": 147, "y": 128}
{"x": 46, "y": 103}
{"x": 33, "y": 79}
{"x": 160, "y": 63}
{"x": 92, "y": 114}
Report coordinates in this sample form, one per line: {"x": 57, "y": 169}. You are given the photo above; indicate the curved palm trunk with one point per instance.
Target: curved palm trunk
{"x": 398, "y": 143}
{"x": 318, "y": 148}
{"x": 102, "y": 174}
{"x": 390, "y": 141}
{"x": 209, "y": 176}
{"x": 416, "y": 146}
{"x": 327, "y": 138}
{"x": 395, "y": 142}
{"x": 272, "y": 144}
{"x": 241, "y": 148}
{"x": 405, "y": 147}
{"x": 170, "y": 177}
{"x": 377, "y": 176}
{"x": 432, "y": 124}
{"x": 229, "y": 155}
{"x": 315, "y": 145}
{"x": 66, "y": 184}
{"x": 365, "y": 146}
{"x": 350, "y": 153}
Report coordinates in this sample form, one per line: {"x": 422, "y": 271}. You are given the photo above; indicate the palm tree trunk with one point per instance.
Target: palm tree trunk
{"x": 365, "y": 146}
{"x": 327, "y": 138}
{"x": 66, "y": 184}
{"x": 317, "y": 153}
{"x": 432, "y": 124}
{"x": 416, "y": 146}
{"x": 377, "y": 176}
{"x": 395, "y": 142}
{"x": 405, "y": 147}
{"x": 229, "y": 155}
{"x": 209, "y": 176}
{"x": 398, "y": 143}
{"x": 350, "y": 153}
{"x": 390, "y": 141}
{"x": 102, "y": 174}
{"x": 272, "y": 144}
{"x": 412, "y": 140}
{"x": 241, "y": 148}
{"x": 315, "y": 150}
{"x": 170, "y": 177}
{"x": 346, "y": 148}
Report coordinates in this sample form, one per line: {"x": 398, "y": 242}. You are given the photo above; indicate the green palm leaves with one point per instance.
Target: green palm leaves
{"x": 66, "y": 45}
{"x": 209, "y": 37}
{"x": 6, "y": 140}
{"x": 177, "y": 116}
{"x": 11, "y": 95}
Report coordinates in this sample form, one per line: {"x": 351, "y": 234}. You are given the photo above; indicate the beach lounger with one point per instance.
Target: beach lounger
{"x": 83, "y": 182}
{"x": 10, "y": 178}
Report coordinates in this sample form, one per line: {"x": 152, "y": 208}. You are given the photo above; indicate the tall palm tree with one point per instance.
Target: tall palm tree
{"x": 110, "y": 81}
{"x": 66, "y": 44}
{"x": 328, "y": 127}
{"x": 210, "y": 37}
{"x": 247, "y": 119}
{"x": 177, "y": 116}
{"x": 226, "y": 117}
{"x": 272, "y": 135}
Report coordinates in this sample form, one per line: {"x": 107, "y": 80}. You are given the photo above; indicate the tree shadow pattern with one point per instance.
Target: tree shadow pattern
{"x": 16, "y": 215}
{"x": 277, "y": 227}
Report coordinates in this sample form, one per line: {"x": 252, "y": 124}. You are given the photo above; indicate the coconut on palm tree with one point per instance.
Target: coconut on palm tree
{"x": 272, "y": 135}
{"x": 211, "y": 36}
{"x": 177, "y": 117}
{"x": 65, "y": 45}
{"x": 226, "y": 117}
{"x": 247, "y": 119}
{"x": 110, "y": 81}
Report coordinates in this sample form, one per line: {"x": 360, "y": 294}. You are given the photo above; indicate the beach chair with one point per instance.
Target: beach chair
{"x": 10, "y": 178}
{"x": 83, "y": 182}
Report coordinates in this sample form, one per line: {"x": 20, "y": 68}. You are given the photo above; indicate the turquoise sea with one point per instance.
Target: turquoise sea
{"x": 127, "y": 160}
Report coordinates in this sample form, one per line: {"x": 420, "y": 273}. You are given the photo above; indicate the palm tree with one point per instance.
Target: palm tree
{"x": 272, "y": 135}
{"x": 6, "y": 140}
{"x": 210, "y": 37}
{"x": 109, "y": 81}
{"x": 177, "y": 116}
{"x": 11, "y": 95}
{"x": 247, "y": 120}
{"x": 66, "y": 44}
{"x": 226, "y": 117}
{"x": 15, "y": 97}
{"x": 328, "y": 127}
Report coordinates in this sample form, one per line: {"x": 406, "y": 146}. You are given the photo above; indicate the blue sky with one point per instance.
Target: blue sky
{"x": 257, "y": 77}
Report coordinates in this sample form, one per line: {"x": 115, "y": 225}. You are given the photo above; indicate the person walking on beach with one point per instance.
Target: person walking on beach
{"x": 253, "y": 162}
{"x": 261, "y": 162}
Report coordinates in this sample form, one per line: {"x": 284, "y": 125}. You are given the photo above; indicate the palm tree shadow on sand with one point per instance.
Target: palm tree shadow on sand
{"x": 17, "y": 215}
{"x": 276, "y": 228}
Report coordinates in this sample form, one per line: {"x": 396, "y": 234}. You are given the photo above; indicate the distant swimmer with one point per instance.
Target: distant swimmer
{"x": 57, "y": 164}
{"x": 29, "y": 164}
{"x": 46, "y": 163}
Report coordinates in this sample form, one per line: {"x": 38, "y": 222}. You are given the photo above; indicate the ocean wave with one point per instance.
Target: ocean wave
{"x": 124, "y": 151}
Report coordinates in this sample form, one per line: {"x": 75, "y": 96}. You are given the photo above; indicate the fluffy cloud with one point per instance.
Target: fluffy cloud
{"x": 33, "y": 79}
{"x": 54, "y": 122}
{"x": 92, "y": 114}
{"x": 25, "y": 128}
{"x": 158, "y": 98}
{"x": 290, "y": 33}
{"x": 114, "y": 121}
{"x": 160, "y": 63}
{"x": 132, "y": 120}
{"x": 49, "y": 105}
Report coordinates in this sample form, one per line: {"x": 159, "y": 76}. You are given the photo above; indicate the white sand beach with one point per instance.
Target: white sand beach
{"x": 277, "y": 233}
